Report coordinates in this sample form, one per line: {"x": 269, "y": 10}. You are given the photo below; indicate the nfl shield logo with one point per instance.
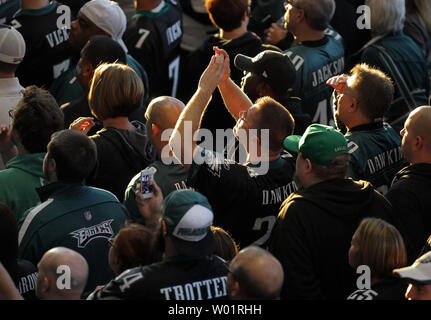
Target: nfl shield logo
{"x": 87, "y": 215}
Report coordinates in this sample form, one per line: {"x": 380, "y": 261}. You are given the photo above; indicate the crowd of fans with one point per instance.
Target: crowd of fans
{"x": 320, "y": 189}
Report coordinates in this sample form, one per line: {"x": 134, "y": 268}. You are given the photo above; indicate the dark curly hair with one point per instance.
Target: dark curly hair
{"x": 36, "y": 118}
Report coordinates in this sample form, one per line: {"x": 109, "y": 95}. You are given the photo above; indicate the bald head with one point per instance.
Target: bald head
{"x": 162, "y": 114}
{"x": 421, "y": 120}
{"x": 62, "y": 275}
{"x": 255, "y": 274}
{"x": 164, "y": 111}
{"x": 416, "y": 143}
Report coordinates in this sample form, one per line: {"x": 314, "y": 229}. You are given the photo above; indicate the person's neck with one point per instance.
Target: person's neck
{"x": 7, "y": 75}
{"x": 356, "y": 122}
{"x": 234, "y": 34}
{"x": 308, "y": 34}
{"x": 146, "y": 5}
{"x": 21, "y": 149}
{"x": 118, "y": 123}
{"x": 170, "y": 250}
{"x": 311, "y": 181}
{"x": 34, "y": 4}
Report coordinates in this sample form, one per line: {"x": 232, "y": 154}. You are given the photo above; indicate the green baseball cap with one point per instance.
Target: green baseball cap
{"x": 188, "y": 217}
{"x": 319, "y": 143}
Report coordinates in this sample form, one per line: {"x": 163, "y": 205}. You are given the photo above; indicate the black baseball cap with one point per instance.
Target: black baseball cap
{"x": 275, "y": 68}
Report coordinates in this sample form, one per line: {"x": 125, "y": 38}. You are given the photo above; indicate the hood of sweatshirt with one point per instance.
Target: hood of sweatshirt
{"x": 134, "y": 145}
{"x": 418, "y": 172}
{"x": 31, "y": 163}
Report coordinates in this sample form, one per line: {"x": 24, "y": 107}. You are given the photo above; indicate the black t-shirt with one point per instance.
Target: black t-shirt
{"x": 27, "y": 279}
{"x": 154, "y": 40}
{"x": 175, "y": 278}
{"x": 48, "y": 53}
{"x": 245, "y": 201}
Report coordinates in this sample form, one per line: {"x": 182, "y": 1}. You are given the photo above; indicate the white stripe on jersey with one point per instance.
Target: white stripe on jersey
{"x": 31, "y": 215}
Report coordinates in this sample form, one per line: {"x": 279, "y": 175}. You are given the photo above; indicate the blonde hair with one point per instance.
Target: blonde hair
{"x": 115, "y": 91}
{"x": 381, "y": 247}
{"x": 386, "y": 16}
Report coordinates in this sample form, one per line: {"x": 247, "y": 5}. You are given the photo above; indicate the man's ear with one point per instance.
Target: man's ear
{"x": 52, "y": 165}
{"x": 88, "y": 70}
{"x": 353, "y": 106}
{"x": 164, "y": 228}
{"x": 300, "y": 16}
{"x": 308, "y": 166}
{"x": 235, "y": 289}
{"x": 419, "y": 143}
{"x": 46, "y": 284}
{"x": 155, "y": 129}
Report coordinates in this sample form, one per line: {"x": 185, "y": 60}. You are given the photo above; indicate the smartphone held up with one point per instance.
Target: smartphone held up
{"x": 147, "y": 177}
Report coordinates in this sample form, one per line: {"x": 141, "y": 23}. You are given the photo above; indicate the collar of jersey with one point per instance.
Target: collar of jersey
{"x": 46, "y": 191}
{"x": 274, "y": 164}
{"x": 38, "y": 12}
{"x": 316, "y": 43}
{"x": 368, "y": 126}
{"x": 151, "y": 14}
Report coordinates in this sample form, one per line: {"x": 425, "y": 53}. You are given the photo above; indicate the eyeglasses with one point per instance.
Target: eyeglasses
{"x": 243, "y": 115}
{"x": 338, "y": 95}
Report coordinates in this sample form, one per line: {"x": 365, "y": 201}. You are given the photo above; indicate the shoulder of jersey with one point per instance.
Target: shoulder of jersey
{"x": 174, "y": 2}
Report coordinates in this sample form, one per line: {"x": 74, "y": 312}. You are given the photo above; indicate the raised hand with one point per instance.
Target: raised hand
{"x": 222, "y": 52}
{"x": 214, "y": 73}
{"x": 150, "y": 208}
{"x": 338, "y": 82}
{"x": 82, "y": 124}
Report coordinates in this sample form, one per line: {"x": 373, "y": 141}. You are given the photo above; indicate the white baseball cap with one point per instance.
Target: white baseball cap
{"x": 12, "y": 45}
{"x": 108, "y": 16}
{"x": 419, "y": 271}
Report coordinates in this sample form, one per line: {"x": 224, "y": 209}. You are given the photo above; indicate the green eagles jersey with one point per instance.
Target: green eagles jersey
{"x": 315, "y": 62}
{"x": 168, "y": 177}
{"x": 375, "y": 151}
{"x": 77, "y": 217}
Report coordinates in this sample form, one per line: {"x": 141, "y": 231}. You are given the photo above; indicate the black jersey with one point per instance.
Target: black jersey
{"x": 175, "y": 278}
{"x": 154, "y": 40}
{"x": 26, "y": 283}
{"x": 245, "y": 201}
{"x": 46, "y": 37}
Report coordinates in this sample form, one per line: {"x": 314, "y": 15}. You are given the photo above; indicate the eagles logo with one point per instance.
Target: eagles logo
{"x": 86, "y": 235}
